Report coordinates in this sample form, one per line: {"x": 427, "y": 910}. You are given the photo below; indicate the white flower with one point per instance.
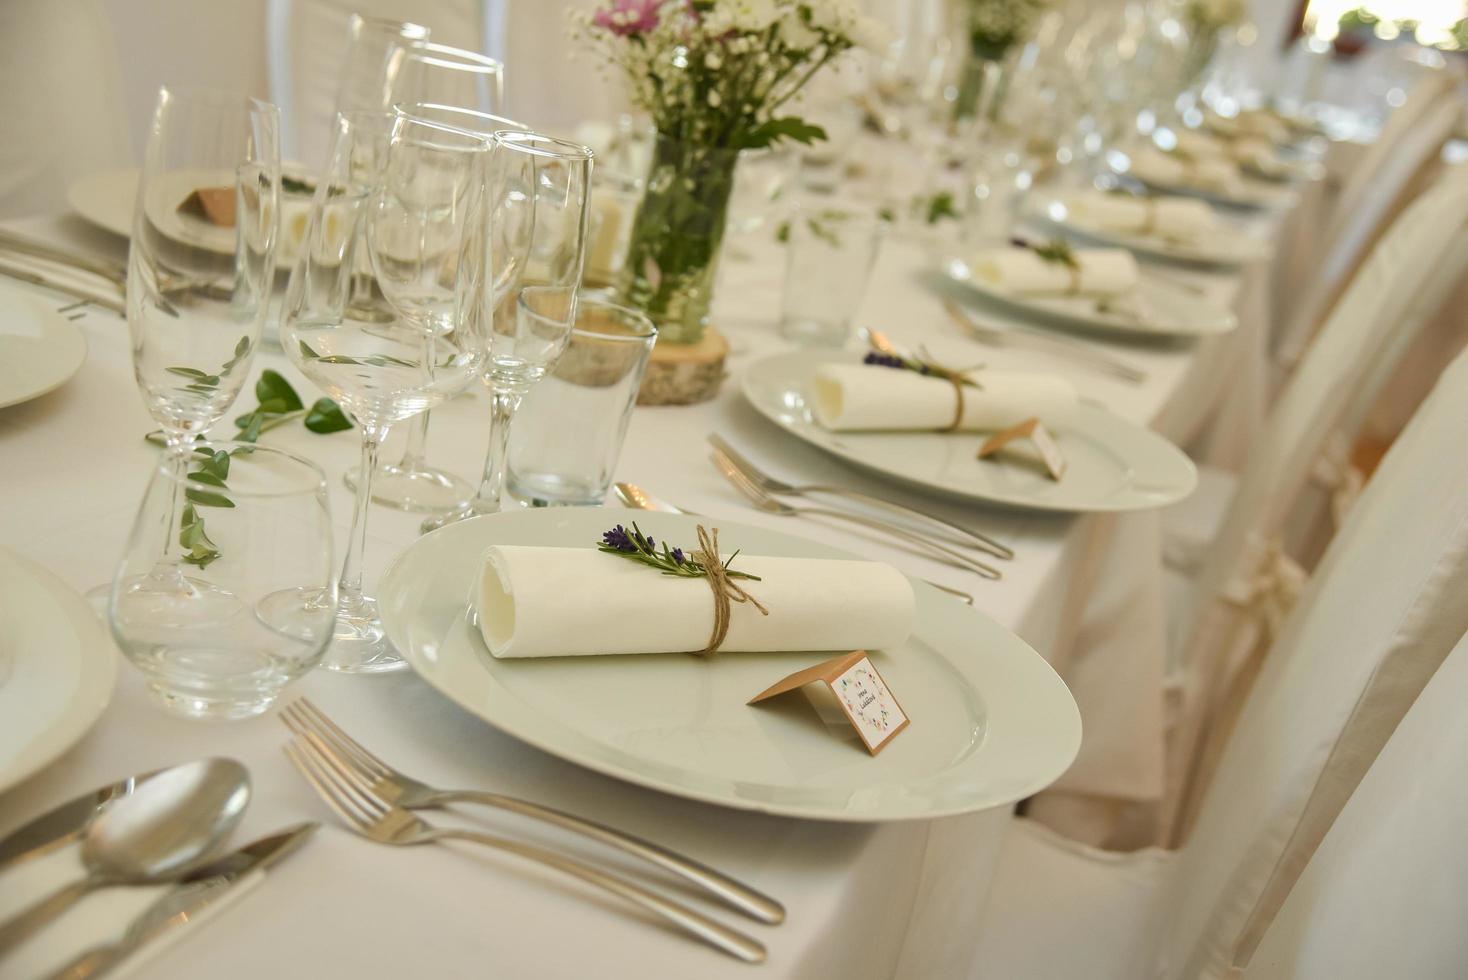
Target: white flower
{"x": 795, "y": 33}
{"x": 870, "y": 34}
{"x": 714, "y": 99}
{"x": 753, "y": 16}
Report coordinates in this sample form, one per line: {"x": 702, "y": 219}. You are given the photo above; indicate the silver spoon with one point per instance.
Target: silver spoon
{"x": 164, "y": 829}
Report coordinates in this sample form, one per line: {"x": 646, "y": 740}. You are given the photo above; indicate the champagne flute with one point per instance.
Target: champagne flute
{"x": 462, "y": 89}
{"x": 200, "y": 268}
{"x": 540, "y": 189}
{"x": 410, "y": 193}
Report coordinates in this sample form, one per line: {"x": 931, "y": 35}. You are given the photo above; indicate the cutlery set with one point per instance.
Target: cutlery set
{"x": 167, "y": 828}
{"x": 31, "y": 261}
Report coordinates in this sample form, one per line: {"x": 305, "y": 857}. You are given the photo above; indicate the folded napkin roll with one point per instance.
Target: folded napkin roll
{"x": 1179, "y": 219}
{"x": 574, "y": 602}
{"x": 853, "y": 397}
{"x": 1212, "y": 173}
{"x": 1097, "y": 272}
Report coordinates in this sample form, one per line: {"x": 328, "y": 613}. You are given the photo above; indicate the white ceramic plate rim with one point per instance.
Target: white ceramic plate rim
{"x": 60, "y": 331}
{"x": 807, "y": 360}
{"x": 1011, "y": 725}
{"x": 107, "y": 200}
{"x": 94, "y": 688}
{"x": 1266, "y": 196}
{"x": 1207, "y": 319}
{"x": 1226, "y": 247}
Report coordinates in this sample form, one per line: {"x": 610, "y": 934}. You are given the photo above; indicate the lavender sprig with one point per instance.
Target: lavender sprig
{"x": 883, "y": 358}
{"x": 643, "y": 548}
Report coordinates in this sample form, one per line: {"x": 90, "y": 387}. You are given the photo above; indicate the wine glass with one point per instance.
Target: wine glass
{"x": 258, "y": 539}
{"x": 540, "y": 188}
{"x": 463, "y": 89}
{"x": 411, "y": 193}
{"x": 200, "y": 268}
{"x": 368, "y": 74}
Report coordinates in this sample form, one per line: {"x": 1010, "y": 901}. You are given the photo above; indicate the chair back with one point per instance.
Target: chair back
{"x": 1388, "y": 604}
{"x": 1383, "y": 896}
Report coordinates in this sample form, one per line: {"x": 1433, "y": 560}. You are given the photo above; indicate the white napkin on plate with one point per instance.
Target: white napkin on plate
{"x": 1208, "y": 173}
{"x": 1180, "y": 219}
{"x": 1100, "y": 272}
{"x": 573, "y": 602}
{"x": 851, "y": 397}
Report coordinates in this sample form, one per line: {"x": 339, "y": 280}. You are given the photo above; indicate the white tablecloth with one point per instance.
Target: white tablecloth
{"x": 866, "y": 901}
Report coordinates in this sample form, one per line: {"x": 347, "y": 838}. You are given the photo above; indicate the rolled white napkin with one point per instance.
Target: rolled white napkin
{"x": 847, "y": 397}
{"x": 1213, "y": 173}
{"x": 576, "y": 602}
{"x": 1098, "y": 272}
{"x": 1201, "y": 146}
{"x": 1177, "y": 218}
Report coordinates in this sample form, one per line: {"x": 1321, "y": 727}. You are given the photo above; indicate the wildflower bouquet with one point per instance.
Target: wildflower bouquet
{"x": 994, "y": 28}
{"x": 713, "y": 75}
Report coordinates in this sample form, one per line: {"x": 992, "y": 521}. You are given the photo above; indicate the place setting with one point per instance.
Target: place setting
{"x": 707, "y": 537}
{"x": 1100, "y": 290}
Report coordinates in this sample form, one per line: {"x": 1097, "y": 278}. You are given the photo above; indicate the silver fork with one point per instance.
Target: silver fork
{"x": 306, "y": 720}
{"x": 770, "y": 505}
{"x": 771, "y": 485}
{"x": 378, "y": 820}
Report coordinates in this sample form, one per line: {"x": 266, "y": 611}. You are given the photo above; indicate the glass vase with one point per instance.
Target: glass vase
{"x": 980, "y": 81}
{"x": 673, "y": 249}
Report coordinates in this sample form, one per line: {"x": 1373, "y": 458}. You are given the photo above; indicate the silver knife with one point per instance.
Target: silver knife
{"x": 63, "y": 824}
{"x": 208, "y": 891}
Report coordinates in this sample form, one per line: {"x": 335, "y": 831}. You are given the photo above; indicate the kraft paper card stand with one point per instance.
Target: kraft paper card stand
{"x": 1034, "y": 430}
{"x": 847, "y": 687}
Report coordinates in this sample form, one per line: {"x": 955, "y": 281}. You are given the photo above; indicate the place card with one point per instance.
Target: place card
{"x": 1034, "y": 430}
{"x": 847, "y": 688}
{"x": 213, "y": 204}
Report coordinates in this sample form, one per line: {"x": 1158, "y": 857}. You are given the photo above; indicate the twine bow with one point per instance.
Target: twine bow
{"x": 1273, "y": 587}
{"x": 726, "y": 590}
{"x": 1149, "y": 216}
{"x": 1335, "y": 473}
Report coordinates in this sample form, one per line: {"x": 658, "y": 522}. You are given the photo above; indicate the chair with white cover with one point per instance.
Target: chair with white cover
{"x": 1386, "y": 893}
{"x": 1389, "y": 603}
{"x": 1245, "y": 583}
{"x": 1393, "y": 169}
{"x": 1373, "y": 186}
{"x": 60, "y": 88}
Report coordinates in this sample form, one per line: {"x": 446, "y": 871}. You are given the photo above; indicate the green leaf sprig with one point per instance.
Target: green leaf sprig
{"x": 941, "y": 205}
{"x": 1056, "y": 250}
{"x": 641, "y": 548}
{"x": 204, "y": 383}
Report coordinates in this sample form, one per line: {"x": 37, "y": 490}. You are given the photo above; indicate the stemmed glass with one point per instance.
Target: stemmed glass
{"x": 540, "y": 188}
{"x": 471, "y": 86}
{"x": 411, "y": 193}
{"x": 200, "y": 268}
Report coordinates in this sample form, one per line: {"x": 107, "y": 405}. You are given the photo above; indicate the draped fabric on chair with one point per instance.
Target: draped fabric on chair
{"x": 1401, "y": 285}
{"x": 64, "y": 116}
{"x": 1389, "y": 603}
{"x": 1368, "y": 196}
{"x": 1383, "y": 895}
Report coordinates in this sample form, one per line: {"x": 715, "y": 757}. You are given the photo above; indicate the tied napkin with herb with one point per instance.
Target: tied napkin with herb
{"x": 1180, "y": 169}
{"x": 634, "y": 594}
{"x": 1056, "y": 269}
{"x": 890, "y": 393}
{"x": 1177, "y": 219}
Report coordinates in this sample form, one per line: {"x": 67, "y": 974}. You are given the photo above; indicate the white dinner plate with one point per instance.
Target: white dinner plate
{"x": 1224, "y": 246}
{"x": 1111, "y": 464}
{"x": 991, "y": 723}
{"x": 40, "y": 349}
{"x": 1159, "y": 308}
{"x": 1253, "y": 194}
{"x": 107, "y": 200}
{"x": 57, "y": 668}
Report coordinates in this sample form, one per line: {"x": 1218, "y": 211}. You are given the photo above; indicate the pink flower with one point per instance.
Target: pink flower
{"x": 624, "y": 17}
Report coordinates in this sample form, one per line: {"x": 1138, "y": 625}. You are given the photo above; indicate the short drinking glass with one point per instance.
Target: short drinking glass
{"x": 253, "y": 525}
{"x": 831, "y": 251}
{"x": 568, "y": 432}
